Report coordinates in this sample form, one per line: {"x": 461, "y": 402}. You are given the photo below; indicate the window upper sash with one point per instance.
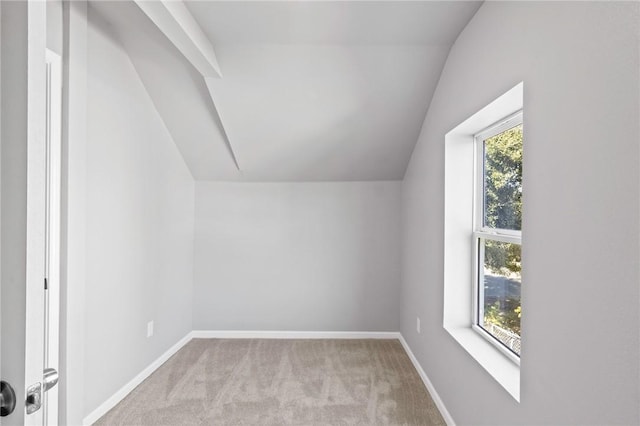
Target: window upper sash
{"x": 495, "y": 129}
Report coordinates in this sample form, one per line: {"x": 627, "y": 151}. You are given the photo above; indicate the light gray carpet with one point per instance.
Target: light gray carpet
{"x": 281, "y": 382}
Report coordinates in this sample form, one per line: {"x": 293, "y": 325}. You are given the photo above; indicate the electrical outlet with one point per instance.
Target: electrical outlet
{"x": 150, "y": 329}
{"x": 418, "y": 324}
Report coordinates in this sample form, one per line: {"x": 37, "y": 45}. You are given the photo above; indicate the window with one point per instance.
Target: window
{"x": 497, "y": 237}
{"x": 482, "y": 236}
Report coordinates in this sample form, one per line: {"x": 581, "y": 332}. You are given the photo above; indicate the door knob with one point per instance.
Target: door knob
{"x": 7, "y": 399}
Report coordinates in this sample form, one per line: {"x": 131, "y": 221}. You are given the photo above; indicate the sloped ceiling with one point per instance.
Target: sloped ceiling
{"x": 310, "y": 91}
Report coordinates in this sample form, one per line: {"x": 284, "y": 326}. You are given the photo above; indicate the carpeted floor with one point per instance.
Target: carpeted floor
{"x": 281, "y": 382}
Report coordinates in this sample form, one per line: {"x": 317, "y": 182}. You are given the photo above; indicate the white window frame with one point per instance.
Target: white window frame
{"x": 482, "y": 232}
{"x": 459, "y": 155}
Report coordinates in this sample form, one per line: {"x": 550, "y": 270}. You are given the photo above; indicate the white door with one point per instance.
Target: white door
{"x": 52, "y": 235}
{"x": 24, "y": 172}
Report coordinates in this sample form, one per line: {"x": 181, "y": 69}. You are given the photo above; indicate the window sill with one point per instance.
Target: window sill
{"x": 502, "y": 369}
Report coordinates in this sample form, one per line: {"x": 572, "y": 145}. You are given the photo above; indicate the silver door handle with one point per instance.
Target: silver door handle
{"x": 50, "y": 378}
{"x": 7, "y": 399}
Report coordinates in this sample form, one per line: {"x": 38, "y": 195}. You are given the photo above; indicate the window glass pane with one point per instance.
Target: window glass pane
{"x": 500, "y": 297}
{"x": 503, "y": 180}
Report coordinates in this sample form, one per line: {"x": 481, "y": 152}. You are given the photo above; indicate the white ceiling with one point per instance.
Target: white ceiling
{"x": 310, "y": 91}
{"x": 332, "y": 22}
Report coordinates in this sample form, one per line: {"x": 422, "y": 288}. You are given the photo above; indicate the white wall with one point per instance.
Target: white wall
{"x": 73, "y": 213}
{"x": 297, "y": 256}
{"x": 140, "y": 217}
{"x": 579, "y": 63}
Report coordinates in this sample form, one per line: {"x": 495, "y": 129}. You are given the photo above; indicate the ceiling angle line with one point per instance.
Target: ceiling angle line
{"x": 227, "y": 140}
{"x": 175, "y": 21}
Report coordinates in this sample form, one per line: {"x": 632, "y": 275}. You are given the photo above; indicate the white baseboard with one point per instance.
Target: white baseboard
{"x": 241, "y": 334}
{"x": 434, "y": 395}
{"x": 126, "y": 389}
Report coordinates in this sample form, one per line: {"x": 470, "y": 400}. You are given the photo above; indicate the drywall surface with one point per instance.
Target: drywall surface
{"x": 297, "y": 256}
{"x": 73, "y": 212}
{"x": 580, "y": 349}
{"x": 140, "y": 213}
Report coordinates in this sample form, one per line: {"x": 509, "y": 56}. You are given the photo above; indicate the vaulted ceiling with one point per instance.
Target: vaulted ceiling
{"x": 290, "y": 91}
